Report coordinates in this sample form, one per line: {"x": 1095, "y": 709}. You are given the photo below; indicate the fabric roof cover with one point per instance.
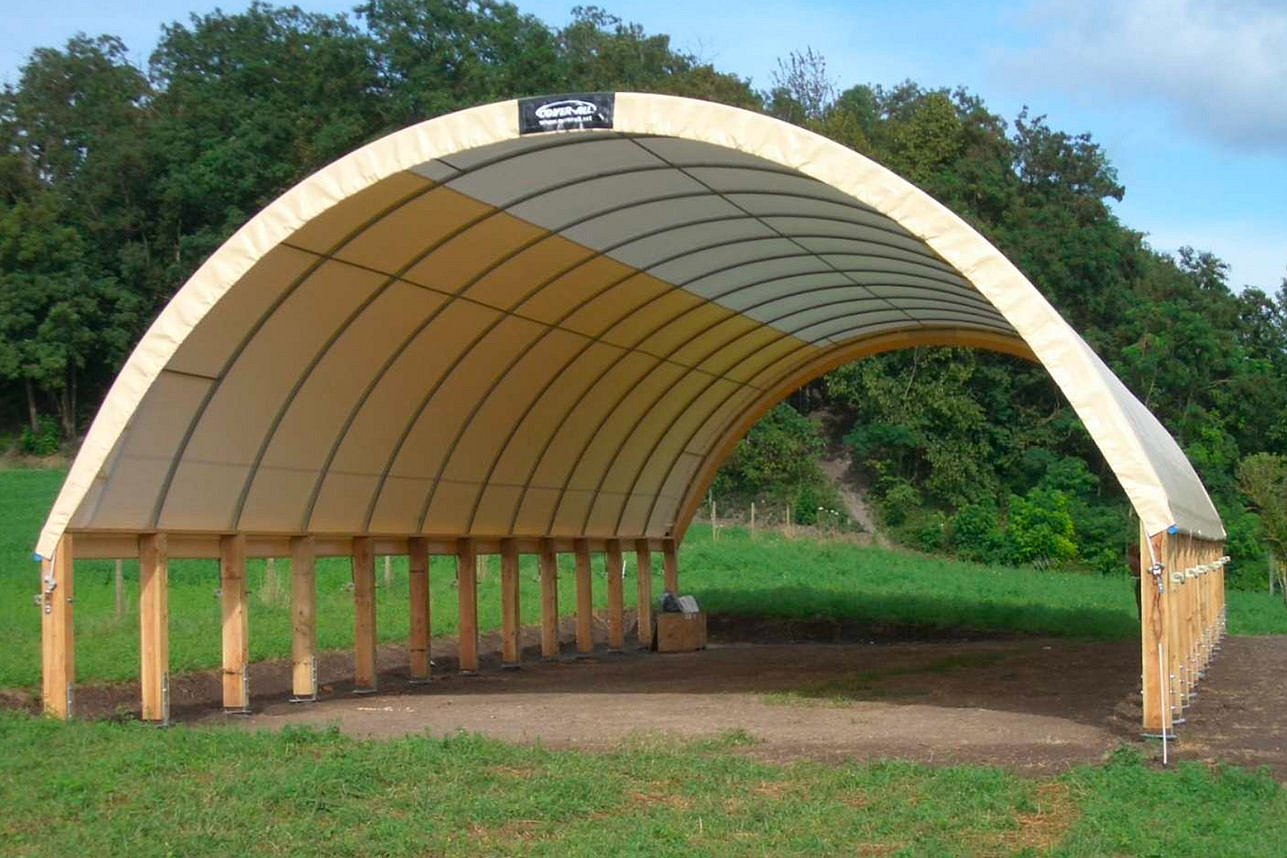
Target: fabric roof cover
{"x": 462, "y": 329}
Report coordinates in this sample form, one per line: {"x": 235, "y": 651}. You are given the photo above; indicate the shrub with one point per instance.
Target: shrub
{"x": 1040, "y": 528}
{"x": 976, "y": 532}
{"x": 44, "y": 441}
{"x": 900, "y": 501}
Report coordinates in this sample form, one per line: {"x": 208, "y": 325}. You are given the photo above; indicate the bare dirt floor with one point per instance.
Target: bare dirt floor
{"x": 812, "y": 691}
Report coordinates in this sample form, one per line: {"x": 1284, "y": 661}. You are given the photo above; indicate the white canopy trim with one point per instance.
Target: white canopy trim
{"x": 462, "y": 329}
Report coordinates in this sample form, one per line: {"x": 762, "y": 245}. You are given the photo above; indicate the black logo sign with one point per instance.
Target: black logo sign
{"x": 574, "y": 112}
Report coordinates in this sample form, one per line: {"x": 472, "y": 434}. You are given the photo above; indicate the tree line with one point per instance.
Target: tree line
{"x": 116, "y": 182}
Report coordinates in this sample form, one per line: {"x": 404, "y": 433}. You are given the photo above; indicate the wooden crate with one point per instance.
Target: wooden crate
{"x": 681, "y": 632}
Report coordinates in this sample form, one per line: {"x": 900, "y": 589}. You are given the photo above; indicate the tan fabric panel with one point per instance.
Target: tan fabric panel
{"x": 398, "y": 506}
{"x": 233, "y": 426}
{"x": 465, "y": 257}
{"x": 732, "y": 339}
{"x": 686, "y": 403}
{"x": 496, "y": 507}
{"x": 514, "y": 279}
{"x": 479, "y": 368}
{"x": 335, "y": 225}
{"x": 623, "y": 314}
{"x": 663, "y": 519}
{"x": 677, "y": 330}
{"x": 534, "y": 510}
{"x": 632, "y": 405}
{"x": 745, "y": 369}
{"x": 391, "y": 405}
{"x": 212, "y": 343}
{"x": 449, "y": 512}
{"x": 595, "y": 277}
{"x": 341, "y": 503}
{"x": 586, "y": 416}
{"x": 505, "y": 402}
{"x": 140, "y": 465}
{"x": 571, "y": 510}
{"x": 319, "y": 412}
{"x": 401, "y": 236}
{"x": 519, "y": 458}
{"x": 634, "y": 518}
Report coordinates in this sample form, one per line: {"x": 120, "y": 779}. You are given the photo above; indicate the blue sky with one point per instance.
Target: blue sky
{"x": 1189, "y": 97}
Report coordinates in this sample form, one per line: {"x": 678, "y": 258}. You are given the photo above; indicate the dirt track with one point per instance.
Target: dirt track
{"x": 1027, "y": 704}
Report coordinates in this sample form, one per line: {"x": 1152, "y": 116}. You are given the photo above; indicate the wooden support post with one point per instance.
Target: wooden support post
{"x": 584, "y": 599}
{"x": 616, "y": 598}
{"x": 154, "y": 627}
{"x": 364, "y": 631}
{"x": 120, "y": 589}
{"x": 510, "y": 652}
{"x": 236, "y": 628}
{"x": 418, "y": 584}
{"x": 1153, "y": 656}
{"x": 57, "y": 631}
{"x": 467, "y": 595}
{"x": 549, "y": 600}
{"x": 670, "y": 566}
{"x": 643, "y": 589}
{"x": 303, "y": 619}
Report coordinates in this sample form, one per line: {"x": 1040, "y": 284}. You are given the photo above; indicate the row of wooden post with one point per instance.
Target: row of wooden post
{"x": 58, "y": 650}
{"x": 1182, "y": 614}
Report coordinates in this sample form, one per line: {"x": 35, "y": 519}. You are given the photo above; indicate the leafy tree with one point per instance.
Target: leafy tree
{"x": 1263, "y": 480}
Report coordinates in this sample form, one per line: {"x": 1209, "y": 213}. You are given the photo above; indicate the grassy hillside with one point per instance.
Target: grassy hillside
{"x": 770, "y": 576}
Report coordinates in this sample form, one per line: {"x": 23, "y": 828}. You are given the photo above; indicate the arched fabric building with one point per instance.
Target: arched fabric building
{"x": 539, "y": 326}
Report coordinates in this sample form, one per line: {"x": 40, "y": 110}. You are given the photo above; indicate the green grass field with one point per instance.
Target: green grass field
{"x": 767, "y": 577}
{"x": 125, "y": 789}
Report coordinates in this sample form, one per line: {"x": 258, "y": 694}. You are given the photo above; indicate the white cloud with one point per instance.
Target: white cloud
{"x": 1219, "y": 66}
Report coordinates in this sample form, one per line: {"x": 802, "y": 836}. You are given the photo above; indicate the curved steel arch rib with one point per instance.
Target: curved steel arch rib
{"x": 576, "y": 334}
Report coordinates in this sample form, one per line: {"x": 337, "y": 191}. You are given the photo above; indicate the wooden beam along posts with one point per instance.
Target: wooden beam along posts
{"x": 191, "y": 545}
{"x": 232, "y": 550}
